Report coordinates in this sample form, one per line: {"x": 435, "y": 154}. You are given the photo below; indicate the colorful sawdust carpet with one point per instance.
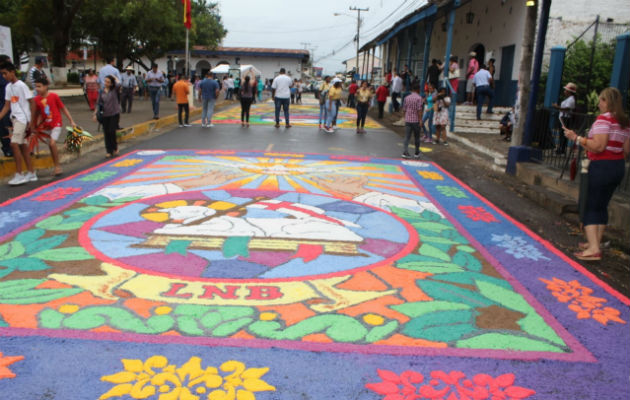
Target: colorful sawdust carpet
{"x": 241, "y": 275}
{"x": 306, "y": 114}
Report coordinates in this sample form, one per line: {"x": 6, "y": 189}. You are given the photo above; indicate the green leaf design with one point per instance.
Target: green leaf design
{"x": 30, "y": 236}
{"x": 432, "y": 251}
{"x": 467, "y": 260}
{"x": 431, "y": 226}
{"x": 535, "y": 325}
{"x": 64, "y": 254}
{"x": 10, "y": 250}
{"x": 436, "y": 239}
{"x": 50, "y": 222}
{"x": 418, "y": 308}
{"x": 4, "y": 271}
{"x": 441, "y": 325}
{"x": 66, "y": 226}
{"x": 505, "y": 297}
{"x": 45, "y": 244}
{"x": 467, "y": 249}
{"x": 436, "y": 267}
{"x": 504, "y": 341}
{"x": 23, "y": 291}
{"x": 25, "y": 264}
{"x": 452, "y": 293}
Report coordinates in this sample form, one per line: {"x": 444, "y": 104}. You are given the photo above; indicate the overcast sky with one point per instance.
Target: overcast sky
{"x": 291, "y": 23}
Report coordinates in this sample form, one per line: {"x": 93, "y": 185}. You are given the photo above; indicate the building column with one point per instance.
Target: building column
{"x": 428, "y": 30}
{"x": 554, "y": 79}
{"x": 621, "y": 65}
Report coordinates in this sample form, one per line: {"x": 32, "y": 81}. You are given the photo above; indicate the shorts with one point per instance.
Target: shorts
{"x": 54, "y": 132}
{"x": 19, "y": 132}
{"x": 469, "y": 86}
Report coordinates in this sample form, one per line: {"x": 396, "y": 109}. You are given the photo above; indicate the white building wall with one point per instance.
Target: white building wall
{"x": 495, "y": 25}
{"x": 587, "y": 10}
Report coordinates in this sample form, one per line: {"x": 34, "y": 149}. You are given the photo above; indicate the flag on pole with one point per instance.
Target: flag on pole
{"x": 187, "y": 17}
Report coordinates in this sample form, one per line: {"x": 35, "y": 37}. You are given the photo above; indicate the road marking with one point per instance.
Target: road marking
{"x": 269, "y": 147}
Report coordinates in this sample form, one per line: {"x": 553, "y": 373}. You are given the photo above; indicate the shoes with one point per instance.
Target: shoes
{"x": 18, "y": 179}
{"x": 203, "y": 125}
{"x": 31, "y": 176}
{"x": 187, "y": 125}
{"x": 417, "y": 155}
{"x": 277, "y": 125}
{"x": 210, "y": 125}
{"x": 288, "y": 125}
{"x": 445, "y": 143}
{"x": 328, "y": 129}
{"x": 320, "y": 127}
{"x": 58, "y": 171}
{"x": 406, "y": 156}
{"x": 590, "y": 257}
{"x": 181, "y": 126}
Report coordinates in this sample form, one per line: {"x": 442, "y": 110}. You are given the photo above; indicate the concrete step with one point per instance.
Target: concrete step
{"x": 466, "y": 129}
{"x": 472, "y": 116}
{"x": 473, "y": 109}
{"x": 473, "y": 123}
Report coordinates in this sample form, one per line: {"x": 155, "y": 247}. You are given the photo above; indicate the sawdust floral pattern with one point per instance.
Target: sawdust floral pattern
{"x": 518, "y": 247}
{"x": 5, "y": 361}
{"x": 477, "y": 213}
{"x": 57, "y": 194}
{"x": 157, "y": 378}
{"x": 128, "y": 163}
{"x": 580, "y": 300}
{"x": 439, "y": 385}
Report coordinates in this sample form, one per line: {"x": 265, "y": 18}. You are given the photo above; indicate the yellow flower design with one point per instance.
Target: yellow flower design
{"x": 434, "y": 176}
{"x": 128, "y": 163}
{"x": 155, "y": 376}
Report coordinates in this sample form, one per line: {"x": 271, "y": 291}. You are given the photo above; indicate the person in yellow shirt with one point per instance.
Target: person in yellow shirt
{"x": 181, "y": 90}
{"x": 323, "y": 93}
{"x": 364, "y": 96}
{"x": 334, "y": 95}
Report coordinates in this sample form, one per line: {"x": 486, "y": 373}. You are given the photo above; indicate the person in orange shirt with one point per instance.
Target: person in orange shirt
{"x": 181, "y": 90}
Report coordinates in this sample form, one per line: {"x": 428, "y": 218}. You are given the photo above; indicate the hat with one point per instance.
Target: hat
{"x": 472, "y": 54}
{"x": 129, "y": 68}
{"x": 571, "y": 87}
{"x": 335, "y": 80}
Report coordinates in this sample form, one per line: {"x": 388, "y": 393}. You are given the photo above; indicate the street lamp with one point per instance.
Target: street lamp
{"x": 358, "y": 10}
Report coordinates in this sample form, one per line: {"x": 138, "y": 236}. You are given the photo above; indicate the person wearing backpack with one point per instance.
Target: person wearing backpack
{"x": 109, "y": 106}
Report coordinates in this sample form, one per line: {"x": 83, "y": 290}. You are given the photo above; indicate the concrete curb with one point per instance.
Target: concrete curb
{"x": 44, "y": 160}
{"x": 499, "y": 159}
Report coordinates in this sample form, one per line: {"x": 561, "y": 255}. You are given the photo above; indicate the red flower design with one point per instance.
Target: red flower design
{"x": 447, "y": 386}
{"x": 56, "y": 194}
{"x": 350, "y": 158}
{"x": 477, "y": 214}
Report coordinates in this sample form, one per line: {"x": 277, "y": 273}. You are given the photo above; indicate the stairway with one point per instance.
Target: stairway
{"x": 466, "y": 120}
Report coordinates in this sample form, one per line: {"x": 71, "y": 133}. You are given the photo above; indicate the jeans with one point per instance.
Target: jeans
{"x": 331, "y": 108}
{"x": 483, "y": 92}
{"x": 126, "y": 98}
{"x": 110, "y": 124}
{"x": 284, "y": 103}
{"x": 409, "y": 128}
{"x": 428, "y": 115}
{"x": 207, "y": 111}
{"x": 246, "y": 103}
{"x": 154, "y": 93}
{"x": 603, "y": 178}
{"x": 323, "y": 113}
{"x": 182, "y": 107}
{"x": 395, "y": 101}
{"x": 351, "y": 100}
{"x": 362, "y": 110}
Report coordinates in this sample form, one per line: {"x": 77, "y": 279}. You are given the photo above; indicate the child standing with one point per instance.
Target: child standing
{"x": 19, "y": 100}
{"x": 47, "y": 117}
{"x": 381, "y": 97}
{"x": 440, "y": 116}
{"x": 428, "y": 115}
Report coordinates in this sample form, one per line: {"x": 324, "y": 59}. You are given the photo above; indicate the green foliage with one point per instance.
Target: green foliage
{"x": 72, "y": 77}
{"x": 24, "y": 291}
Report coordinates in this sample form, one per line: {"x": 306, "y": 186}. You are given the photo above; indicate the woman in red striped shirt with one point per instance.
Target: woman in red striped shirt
{"x": 607, "y": 146}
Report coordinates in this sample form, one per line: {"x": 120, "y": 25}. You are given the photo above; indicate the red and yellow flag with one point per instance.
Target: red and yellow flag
{"x": 187, "y": 17}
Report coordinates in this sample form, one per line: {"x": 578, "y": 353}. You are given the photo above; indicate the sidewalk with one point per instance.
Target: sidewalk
{"x": 139, "y": 122}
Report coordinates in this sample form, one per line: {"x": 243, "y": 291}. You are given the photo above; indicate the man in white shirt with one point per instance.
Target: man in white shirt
{"x": 155, "y": 79}
{"x": 281, "y": 94}
{"x": 483, "y": 87}
{"x": 397, "y": 85}
{"x": 109, "y": 69}
{"x": 566, "y": 113}
{"x": 18, "y": 99}
{"x": 129, "y": 87}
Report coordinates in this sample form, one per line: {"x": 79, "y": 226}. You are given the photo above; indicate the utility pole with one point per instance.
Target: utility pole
{"x": 305, "y": 44}
{"x": 358, "y": 10}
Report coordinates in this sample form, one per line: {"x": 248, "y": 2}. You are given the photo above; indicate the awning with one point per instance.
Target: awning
{"x": 427, "y": 12}
{"x": 225, "y": 69}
